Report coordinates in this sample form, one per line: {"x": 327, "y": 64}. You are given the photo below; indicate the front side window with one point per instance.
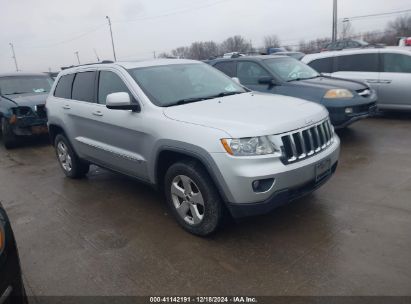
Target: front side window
{"x": 83, "y": 86}
{"x": 249, "y": 72}
{"x": 289, "y": 69}
{"x": 110, "y": 83}
{"x": 323, "y": 65}
{"x": 64, "y": 86}
{"x": 358, "y": 63}
{"x": 396, "y": 63}
{"x": 174, "y": 84}
{"x": 228, "y": 68}
{"x": 25, "y": 84}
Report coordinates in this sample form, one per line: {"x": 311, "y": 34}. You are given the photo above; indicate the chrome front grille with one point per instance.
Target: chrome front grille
{"x": 304, "y": 143}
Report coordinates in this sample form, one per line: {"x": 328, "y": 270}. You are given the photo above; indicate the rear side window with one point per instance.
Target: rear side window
{"x": 324, "y": 65}
{"x": 83, "y": 86}
{"x": 63, "y": 88}
{"x": 358, "y": 63}
{"x": 110, "y": 83}
{"x": 396, "y": 63}
{"x": 228, "y": 68}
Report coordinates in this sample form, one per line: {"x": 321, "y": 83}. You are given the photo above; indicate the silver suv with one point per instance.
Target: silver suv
{"x": 193, "y": 132}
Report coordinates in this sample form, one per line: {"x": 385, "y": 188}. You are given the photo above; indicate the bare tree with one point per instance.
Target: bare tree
{"x": 401, "y": 26}
{"x": 235, "y": 44}
{"x": 181, "y": 52}
{"x": 271, "y": 41}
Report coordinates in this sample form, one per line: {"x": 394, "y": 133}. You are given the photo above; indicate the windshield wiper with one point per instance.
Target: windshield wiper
{"x": 15, "y": 93}
{"x": 298, "y": 79}
{"x": 196, "y": 99}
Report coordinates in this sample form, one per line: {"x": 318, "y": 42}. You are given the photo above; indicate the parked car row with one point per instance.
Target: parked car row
{"x": 210, "y": 141}
{"x": 385, "y": 70}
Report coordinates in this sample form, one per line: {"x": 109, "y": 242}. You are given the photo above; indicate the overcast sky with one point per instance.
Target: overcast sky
{"x": 46, "y": 33}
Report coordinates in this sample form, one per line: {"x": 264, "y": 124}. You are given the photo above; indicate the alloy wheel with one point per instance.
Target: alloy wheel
{"x": 64, "y": 156}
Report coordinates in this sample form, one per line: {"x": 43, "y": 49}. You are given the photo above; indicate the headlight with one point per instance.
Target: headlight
{"x": 338, "y": 93}
{"x": 249, "y": 146}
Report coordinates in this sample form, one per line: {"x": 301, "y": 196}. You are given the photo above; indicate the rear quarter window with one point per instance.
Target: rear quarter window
{"x": 63, "y": 88}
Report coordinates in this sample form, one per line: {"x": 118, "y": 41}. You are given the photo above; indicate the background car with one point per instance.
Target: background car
{"x": 345, "y": 44}
{"x": 386, "y": 70}
{"x": 295, "y": 55}
{"x": 11, "y": 282}
{"x": 346, "y": 101}
{"x": 22, "y": 105}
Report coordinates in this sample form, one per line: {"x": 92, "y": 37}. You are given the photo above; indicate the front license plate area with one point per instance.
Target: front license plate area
{"x": 37, "y": 130}
{"x": 322, "y": 169}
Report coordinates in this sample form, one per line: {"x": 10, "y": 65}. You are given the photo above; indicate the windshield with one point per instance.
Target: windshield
{"x": 25, "y": 84}
{"x": 289, "y": 69}
{"x": 175, "y": 84}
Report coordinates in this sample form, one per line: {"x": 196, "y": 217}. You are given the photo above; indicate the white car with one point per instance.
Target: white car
{"x": 387, "y": 70}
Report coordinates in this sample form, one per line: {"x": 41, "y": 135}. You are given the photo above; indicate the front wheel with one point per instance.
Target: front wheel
{"x": 193, "y": 198}
{"x": 71, "y": 164}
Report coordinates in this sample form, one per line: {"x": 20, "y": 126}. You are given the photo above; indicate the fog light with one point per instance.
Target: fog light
{"x": 348, "y": 110}
{"x": 262, "y": 185}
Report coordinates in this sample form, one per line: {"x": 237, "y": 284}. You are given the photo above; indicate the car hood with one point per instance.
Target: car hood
{"x": 250, "y": 114}
{"x": 327, "y": 83}
{"x": 28, "y": 100}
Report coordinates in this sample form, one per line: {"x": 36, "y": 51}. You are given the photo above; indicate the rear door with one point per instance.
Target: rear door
{"x": 363, "y": 67}
{"x": 395, "y": 80}
{"x": 81, "y": 109}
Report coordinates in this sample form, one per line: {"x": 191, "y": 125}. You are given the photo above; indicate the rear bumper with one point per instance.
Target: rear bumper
{"x": 279, "y": 198}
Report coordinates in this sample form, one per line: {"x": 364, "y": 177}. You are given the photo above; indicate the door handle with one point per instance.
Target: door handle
{"x": 385, "y": 81}
{"x": 372, "y": 80}
{"x": 66, "y": 107}
{"x": 97, "y": 113}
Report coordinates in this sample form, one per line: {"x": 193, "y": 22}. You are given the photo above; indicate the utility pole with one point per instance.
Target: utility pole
{"x": 14, "y": 56}
{"x": 154, "y": 54}
{"x": 95, "y": 52}
{"x": 78, "y": 58}
{"x": 112, "y": 40}
{"x": 335, "y": 14}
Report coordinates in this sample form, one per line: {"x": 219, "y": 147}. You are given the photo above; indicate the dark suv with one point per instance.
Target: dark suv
{"x": 347, "y": 101}
{"x": 22, "y": 105}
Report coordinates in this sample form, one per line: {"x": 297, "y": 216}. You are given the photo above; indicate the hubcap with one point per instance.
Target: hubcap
{"x": 187, "y": 199}
{"x": 64, "y": 156}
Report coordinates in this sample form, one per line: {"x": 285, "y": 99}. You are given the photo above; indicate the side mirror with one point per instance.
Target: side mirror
{"x": 236, "y": 79}
{"x": 266, "y": 80}
{"x": 121, "y": 101}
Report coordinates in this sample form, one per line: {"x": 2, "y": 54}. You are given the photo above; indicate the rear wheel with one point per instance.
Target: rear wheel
{"x": 9, "y": 138}
{"x": 71, "y": 164}
{"x": 193, "y": 198}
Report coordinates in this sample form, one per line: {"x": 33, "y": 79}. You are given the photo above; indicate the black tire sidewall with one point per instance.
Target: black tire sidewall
{"x": 213, "y": 208}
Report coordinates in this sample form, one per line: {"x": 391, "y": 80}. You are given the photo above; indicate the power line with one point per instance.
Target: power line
{"x": 175, "y": 12}
{"x": 379, "y": 14}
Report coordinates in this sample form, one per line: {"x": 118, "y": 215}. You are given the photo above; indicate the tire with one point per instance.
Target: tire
{"x": 9, "y": 138}
{"x": 71, "y": 164}
{"x": 186, "y": 185}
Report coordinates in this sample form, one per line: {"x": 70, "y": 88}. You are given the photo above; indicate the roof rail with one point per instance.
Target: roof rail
{"x": 79, "y": 65}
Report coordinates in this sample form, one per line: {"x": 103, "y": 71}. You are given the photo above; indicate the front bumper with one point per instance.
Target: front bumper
{"x": 340, "y": 119}
{"x": 239, "y": 173}
{"x": 27, "y": 126}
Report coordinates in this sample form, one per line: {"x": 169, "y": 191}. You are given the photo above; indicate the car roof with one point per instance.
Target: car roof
{"x": 392, "y": 49}
{"x": 131, "y": 64}
{"x": 22, "y": 74}
{"x": 248, "y": 58}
